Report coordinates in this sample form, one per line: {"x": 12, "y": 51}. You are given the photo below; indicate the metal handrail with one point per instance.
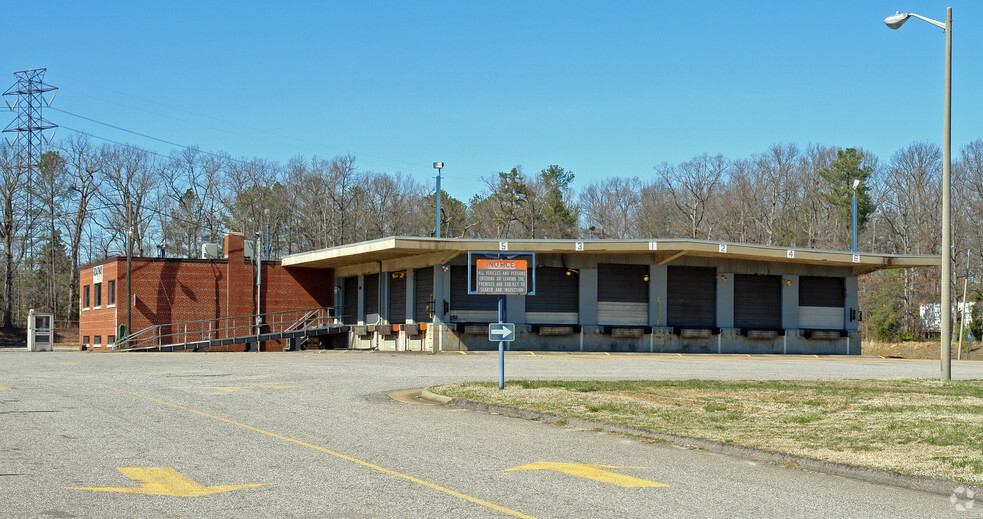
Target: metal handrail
{"x": 227, "y": 328}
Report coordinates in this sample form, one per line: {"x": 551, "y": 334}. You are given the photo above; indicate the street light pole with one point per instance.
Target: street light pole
{"x": 894, "y": 21}
{"x": 267, "y": 213}
{"x": 856, "y": 183}
{"x": 129, "y": 270}
{"x": 438, "y": 166}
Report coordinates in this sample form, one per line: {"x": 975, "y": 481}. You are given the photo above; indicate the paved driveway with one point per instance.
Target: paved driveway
{"x": 314, "y": 434}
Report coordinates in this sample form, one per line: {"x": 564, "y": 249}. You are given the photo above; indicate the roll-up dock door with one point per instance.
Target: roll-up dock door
{"x": 370, "y": 291}
{"x": 757, "y": 302}
{"x": 349, "y": 302}
{"x": 821, "y": 301}
{"x": 397, "y": 298}
{"x": 422, "y": 294}
{"x": 622, "y": 294}
{"x": 692, "y": 297}
{"x": 467, "y": 308}
{"x": 555, "y": 301}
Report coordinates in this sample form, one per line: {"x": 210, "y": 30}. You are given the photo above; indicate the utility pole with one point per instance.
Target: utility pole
{"x": 29, "y": 92}
{"x": 129, "y": 269}
{"x": 259, "y": 284}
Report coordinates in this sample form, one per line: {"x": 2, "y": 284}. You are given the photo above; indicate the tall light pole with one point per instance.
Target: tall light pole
{"x": 267, "y": 213}
{"x": 894, "y": 21}
{"x": 129, "y": 270}
{"x": 438, "y": 166}
{"x": 856, "y": 184}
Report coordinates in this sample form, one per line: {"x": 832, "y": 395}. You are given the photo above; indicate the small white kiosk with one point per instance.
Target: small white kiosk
{"x": 40, "y": 331}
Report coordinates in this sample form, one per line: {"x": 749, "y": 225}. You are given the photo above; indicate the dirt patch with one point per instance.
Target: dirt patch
{"x": 919, "y": 350}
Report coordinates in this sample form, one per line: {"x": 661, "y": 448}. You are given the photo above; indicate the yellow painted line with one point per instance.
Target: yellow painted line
{"x": 606, "y": 353}
{"x": 533, "y": 354}
{"x": 592, "y": 472}
{"x": 5, "y": 388}
{"x": 237, "y": 388}
{"x": 336, "y": 454}
{"x": 817, "y": 356}
{"x": 175, "y": 371}
{"x": 462, "y": 353}
{"x": 165, "y": 481}
{"x": 881, "y": 356}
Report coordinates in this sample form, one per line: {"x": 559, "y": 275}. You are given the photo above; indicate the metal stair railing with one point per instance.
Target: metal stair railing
{"x": 236, "y": 329}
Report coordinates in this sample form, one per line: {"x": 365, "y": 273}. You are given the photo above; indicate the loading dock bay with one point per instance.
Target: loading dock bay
{"x": 315, "y": 434}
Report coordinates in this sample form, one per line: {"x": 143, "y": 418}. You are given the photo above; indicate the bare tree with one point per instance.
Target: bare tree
{"x": 611, "y": 207}
{"x": 129, "y": 181}
{"x": 84, "y": 164}
{"x": 11, "y": 193}
{"x": 692, "y": 186}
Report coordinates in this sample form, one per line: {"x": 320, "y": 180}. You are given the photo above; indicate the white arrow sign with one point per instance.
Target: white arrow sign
{"x": 501, "y": 332}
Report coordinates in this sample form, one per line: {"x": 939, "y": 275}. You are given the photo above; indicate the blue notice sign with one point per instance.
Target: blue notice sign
{"x": 501, "y": 332}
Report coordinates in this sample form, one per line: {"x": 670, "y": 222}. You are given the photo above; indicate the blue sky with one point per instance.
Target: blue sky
{"x": 600, "y": 88}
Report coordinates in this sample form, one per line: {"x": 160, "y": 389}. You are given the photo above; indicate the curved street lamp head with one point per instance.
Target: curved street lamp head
{"x": 896, "y": 20}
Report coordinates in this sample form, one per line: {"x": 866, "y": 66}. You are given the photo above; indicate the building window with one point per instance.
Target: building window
{"x": 97, "y": 341}
{"x": 111, "y": 340}
{"x": 85, "y": 297}
{"x": 111, "y": 294}
{"x": 97, "y": 290}
{"x": 85, "y": 342}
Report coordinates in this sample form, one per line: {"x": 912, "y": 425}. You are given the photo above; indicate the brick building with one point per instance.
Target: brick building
{"x": 416, "y": 294}
{"x": 213, "y": 293}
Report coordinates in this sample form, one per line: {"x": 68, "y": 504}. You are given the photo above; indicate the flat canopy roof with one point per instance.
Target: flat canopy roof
{"x": 399, "y": 253}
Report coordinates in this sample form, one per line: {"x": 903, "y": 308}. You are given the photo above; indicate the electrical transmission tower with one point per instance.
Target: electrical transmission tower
{"x": 28, "y": 93}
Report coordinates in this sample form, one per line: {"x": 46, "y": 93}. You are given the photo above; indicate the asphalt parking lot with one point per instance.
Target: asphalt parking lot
{"x": 315, "y": 434}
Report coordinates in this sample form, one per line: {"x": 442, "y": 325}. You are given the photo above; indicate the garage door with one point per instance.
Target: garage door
{"x": 691, "y": 294}
{"x": 821, "y": 301}
{"x": 422, "y": 294}
{"x": 349, "y": 301}
{"x": 397, "y": 298}
{"x": 370, "y": 291}
{"x": 555, "y": 301}
{"x": 622, "y": 294}
{"x": 757, "y": 302}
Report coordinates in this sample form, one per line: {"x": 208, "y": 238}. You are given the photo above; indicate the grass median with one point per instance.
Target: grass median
{"x": 910, "y": 426}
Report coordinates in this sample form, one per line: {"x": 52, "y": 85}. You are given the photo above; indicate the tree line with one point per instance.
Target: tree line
{"x": 79, "y": 202}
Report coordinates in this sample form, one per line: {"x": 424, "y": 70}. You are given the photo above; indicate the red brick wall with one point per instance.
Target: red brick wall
{"x": 172, "y": 290}
{"x": 101, "y": 321}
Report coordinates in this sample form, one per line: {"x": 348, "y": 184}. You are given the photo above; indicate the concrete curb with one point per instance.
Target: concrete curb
{"x": 942, "y": 487}
{"x": 440, "y": 399}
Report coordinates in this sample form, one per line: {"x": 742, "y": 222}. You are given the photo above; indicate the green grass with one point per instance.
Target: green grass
{"x": 913, "y": 426}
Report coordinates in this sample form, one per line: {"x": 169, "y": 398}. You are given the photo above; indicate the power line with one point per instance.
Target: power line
{"x": 368, "y": 158}
{"x": 120, "y": 128}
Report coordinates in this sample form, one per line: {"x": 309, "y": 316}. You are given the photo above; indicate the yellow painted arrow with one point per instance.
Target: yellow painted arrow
{"x": 592, "y": 472}
{"x": 165, "y": 481}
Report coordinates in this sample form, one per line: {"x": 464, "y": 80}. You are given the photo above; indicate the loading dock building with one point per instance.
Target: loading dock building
{"x": 411, "y": 294}
{"x": 606, "y": 295}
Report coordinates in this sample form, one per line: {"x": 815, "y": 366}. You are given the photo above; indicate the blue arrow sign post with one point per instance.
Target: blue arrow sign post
{"x": 501, "y": 332}
{"x": 502, "y": 274}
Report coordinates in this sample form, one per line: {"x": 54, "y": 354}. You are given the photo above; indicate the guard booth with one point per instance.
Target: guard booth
{"x": 40, "y": 331}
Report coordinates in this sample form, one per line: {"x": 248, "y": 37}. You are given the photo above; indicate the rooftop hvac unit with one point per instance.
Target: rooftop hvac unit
{"x": 209, "y": 251}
